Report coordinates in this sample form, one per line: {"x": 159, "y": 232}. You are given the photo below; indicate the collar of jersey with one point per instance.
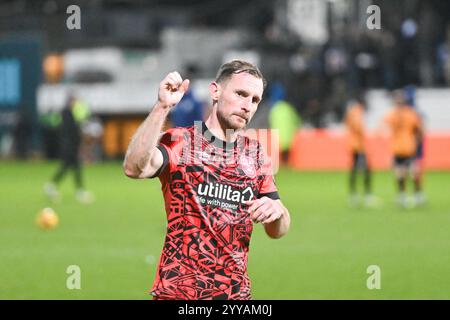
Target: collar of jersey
{"x": 215, "y": 141}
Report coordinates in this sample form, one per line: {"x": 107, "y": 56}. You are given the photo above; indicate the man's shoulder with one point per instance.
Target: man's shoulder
{"x": 177, "y": 136}
{"x": 179, "y": 131}
{"x": 414, "y": 113}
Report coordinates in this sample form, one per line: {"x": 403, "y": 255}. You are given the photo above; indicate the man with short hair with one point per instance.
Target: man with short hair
{"x": 405, "y": 126}
{"x": 354, "y": 121}
{"x": 216, "y": 183}
{"x": 418, "y": 161}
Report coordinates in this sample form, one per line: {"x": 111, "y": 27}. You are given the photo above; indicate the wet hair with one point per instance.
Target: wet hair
{"x": 238, "y": 66}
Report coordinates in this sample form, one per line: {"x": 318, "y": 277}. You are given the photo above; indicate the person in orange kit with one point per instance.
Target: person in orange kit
{"x": 354, "y": 122}
{"x": 405, "y": 126}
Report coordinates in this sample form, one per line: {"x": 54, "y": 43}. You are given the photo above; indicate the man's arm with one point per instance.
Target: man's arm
{"x": 272, "y": 214}
{"x": 143, "y": 159}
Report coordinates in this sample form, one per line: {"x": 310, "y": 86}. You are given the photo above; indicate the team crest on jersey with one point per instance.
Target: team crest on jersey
{"x": 248, "y": 166}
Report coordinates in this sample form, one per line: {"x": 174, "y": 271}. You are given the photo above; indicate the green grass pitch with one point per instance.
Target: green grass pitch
{"x": 117, "y": 240}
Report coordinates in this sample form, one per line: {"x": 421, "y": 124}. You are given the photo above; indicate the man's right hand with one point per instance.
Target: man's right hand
{"x": 143, "y": 159}
{"x": 171, "y": 90}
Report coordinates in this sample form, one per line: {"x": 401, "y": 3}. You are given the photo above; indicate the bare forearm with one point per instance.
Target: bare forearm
{"x": 143, "y": 159}
{"x": 144, "y": 141}
{"x": 279, "y": 227}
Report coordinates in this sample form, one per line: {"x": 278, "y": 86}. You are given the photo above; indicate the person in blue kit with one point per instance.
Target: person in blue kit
{"x": 190, "y": 108}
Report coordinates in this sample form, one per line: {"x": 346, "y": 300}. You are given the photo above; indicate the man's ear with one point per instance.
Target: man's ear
{"x": 214, "y": 91}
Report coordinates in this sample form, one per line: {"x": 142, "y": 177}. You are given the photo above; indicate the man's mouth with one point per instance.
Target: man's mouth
{"x": 242, "y": 117}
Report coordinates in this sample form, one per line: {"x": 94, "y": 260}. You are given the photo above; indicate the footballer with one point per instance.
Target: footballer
{"x": 216, "y": 184}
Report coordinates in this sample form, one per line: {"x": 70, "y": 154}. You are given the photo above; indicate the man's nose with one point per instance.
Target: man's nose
{"x": 246, "y": 105}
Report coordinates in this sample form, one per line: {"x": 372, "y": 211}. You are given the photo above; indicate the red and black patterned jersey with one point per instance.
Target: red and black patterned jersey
{"x": 206, "y": 184}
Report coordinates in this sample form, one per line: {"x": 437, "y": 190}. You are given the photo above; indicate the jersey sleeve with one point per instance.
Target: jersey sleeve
{"x": 171, "y": 146}
{"x": 267, "y": 186}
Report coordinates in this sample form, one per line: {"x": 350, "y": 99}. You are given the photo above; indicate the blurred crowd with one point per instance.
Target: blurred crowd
{"x": 411, "y": 48}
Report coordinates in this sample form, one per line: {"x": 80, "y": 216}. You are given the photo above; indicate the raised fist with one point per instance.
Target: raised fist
{"x": 172, "y": 89}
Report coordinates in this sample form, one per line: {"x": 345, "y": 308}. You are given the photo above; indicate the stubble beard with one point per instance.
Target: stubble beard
{"x": 227, "y": 122}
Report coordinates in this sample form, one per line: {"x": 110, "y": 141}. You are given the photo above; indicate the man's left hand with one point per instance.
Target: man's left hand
{"x": 265, "y": 210}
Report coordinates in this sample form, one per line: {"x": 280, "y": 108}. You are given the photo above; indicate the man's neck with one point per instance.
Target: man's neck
{"x": 216, "y": 128}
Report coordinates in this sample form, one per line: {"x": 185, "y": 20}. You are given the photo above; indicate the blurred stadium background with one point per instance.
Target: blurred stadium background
{"x": 320, "y": 51}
